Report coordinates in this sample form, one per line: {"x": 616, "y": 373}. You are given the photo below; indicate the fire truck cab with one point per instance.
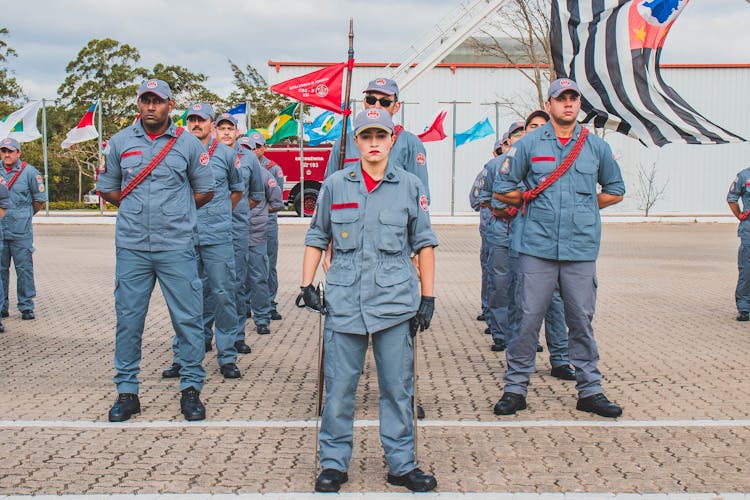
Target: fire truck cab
{"x": 297, "y": 197}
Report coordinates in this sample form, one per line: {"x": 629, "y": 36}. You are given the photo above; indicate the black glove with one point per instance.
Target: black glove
{"x": 309, "y": 297}
{"x": 421, "y": 321}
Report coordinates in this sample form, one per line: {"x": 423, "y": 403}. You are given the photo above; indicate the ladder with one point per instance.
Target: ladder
{"x": 447, "y": 35}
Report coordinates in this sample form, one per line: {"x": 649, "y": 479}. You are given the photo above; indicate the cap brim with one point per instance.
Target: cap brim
{"x": 562, "y": 91}
{"x": 378, "y": 90}
{"x": 149, "y": 91}
{"x": 370, "y": 127}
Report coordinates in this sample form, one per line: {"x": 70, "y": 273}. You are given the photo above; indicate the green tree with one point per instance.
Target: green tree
{"x": 10, "y": 90}
{"x": 187, "y": 87}
{"x": 104, "y": 69}
{"x": 252, "y": 88}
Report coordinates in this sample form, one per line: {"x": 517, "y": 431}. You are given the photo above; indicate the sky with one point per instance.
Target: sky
{"x": 202, "y": 36}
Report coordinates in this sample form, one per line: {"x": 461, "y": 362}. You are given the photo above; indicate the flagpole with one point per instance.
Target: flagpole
{"x": 99, "y": 158}
{"x": 453, "y": 154}
{"x": 247, "y": 116}
{"x": 347, "y": 111}
{"x": 301, "y": 140}
{"x": 44, "y": 151}
{"x": 497, "y": 116}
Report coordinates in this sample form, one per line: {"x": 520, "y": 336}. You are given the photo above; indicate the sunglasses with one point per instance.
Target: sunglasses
{"x": 384, "y": 101}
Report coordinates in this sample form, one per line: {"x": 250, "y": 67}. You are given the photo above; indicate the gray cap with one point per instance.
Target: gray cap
{"x": 257, "y": 139}
{"x": 561, "y": 85}
{"x": 382, "y": 85}
{"x": 537, "y": 113}
{"x": 202, "y": 109}
{"x": 10, "y": 143}
{"x": 155, "y": 86}
{"x": 515, "y": 126}
{"x": 373, "y": 118}
{"x": 246, "y": 142}
{"x": 226, "y": 117}
{"x": 499, "y": 143}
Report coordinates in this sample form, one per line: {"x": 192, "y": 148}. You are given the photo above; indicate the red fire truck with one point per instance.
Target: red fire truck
{"x": 315, "y": 161}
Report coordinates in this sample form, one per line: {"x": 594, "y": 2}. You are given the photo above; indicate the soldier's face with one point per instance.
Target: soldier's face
{"x": 374, "y": 144}
{"x": 535, "y": 123}
{"x": 154, "y": 110}
{"x": 226, "y": 132}
{"x": 564, "y": 108}
{"x": 260, "y": 151}
{"x": 9, "y": 157}
{"x": 379, "y": 98}
{"x": 199, "y": 127}
{"x": 515, "y": 137}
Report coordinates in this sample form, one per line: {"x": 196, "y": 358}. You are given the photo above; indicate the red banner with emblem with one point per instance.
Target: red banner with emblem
{"x": 320, "y": 88}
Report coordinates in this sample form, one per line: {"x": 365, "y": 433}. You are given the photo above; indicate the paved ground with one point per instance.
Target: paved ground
{"x": 671, "y": 353}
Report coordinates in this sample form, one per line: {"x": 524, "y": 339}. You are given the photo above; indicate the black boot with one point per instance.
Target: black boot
{"x": 415, "y": 480}
{"x": 172, "y": 372}
{"x": 191, "y": 406}
{"x": 330, "y": 481}
{"x": 126, "y": 406}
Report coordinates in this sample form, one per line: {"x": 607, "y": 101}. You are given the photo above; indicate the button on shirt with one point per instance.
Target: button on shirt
{"x": 28, "y": 188}
{"x": 408, "y": 153}
{"x": 563, "y": 223}
{"x": 160, "y": 213}
{"x": 371, "y": 284}
{"x": 215, "y": 217}
{"x": 740, "y": 190}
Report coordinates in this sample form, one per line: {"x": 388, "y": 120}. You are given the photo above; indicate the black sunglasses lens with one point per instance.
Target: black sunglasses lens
{"x": 371, "y": 100}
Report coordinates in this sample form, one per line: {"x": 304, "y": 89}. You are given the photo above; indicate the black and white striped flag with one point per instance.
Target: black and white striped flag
{"x": 611, "y": 48}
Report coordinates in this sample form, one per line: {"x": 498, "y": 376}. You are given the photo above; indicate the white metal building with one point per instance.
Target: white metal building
{"x": 696, "y": 177}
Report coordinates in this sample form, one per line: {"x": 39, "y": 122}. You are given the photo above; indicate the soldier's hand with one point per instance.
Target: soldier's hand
{"x": 309, "y": 297}
{"x": 421, "y": 321}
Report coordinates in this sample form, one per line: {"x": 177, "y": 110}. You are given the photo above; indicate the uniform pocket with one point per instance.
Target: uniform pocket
{"x": 392, "y": 237}
{"x": 345, "y": 229}
{"x": 392, "y": 272}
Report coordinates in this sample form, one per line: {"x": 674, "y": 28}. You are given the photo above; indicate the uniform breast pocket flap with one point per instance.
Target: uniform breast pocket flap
{"x": 543, "y": 164}
{"x": 344, "y": 216}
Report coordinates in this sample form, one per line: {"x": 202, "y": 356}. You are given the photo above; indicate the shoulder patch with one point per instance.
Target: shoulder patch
{"x": 2, "y": 181}
{"x": 203, "y": 159}
{"x": 505, "y": 167}
{"x": 424, "y": 203}
{"x": 102, "y": 168}
{"x": 237, "y": 163}
{"x": 272, "y": 182}
{"x": 421, "y": 159}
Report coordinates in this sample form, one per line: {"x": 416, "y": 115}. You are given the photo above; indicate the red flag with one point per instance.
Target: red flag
{"x": 320, "y": 88}
{"x": 435, "y": 131}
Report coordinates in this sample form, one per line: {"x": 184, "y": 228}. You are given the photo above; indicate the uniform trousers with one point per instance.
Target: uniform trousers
{"x": 216, "y": 270}
{"x": 499, "y": 290}
{"x": 257, "y": 284}
{"x": 20, "y": 250}
{"x": 135, "y": 275}
{"x": 483, "y": 261}
{"x": 537, "y": 279}
{"x": 240, "y": 242}
{"x": 344, "y": 360}
{"x": 273, "y": 255}
{"x": 742, "y": 292}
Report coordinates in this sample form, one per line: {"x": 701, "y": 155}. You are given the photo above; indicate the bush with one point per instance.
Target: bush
{"x": 71, "y": 205}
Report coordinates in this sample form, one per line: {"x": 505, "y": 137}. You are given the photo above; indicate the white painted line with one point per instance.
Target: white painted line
{"x": 390, "y": 495}
{"x": 307, "y": 424}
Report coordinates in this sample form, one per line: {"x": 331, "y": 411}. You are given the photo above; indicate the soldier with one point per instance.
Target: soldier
{"x": 157, "y": 176}
{"x": 226, "y": 132}
{"x": 273, "y": 221}
{"x": 375, "y": 215}
{"x": 558, "y": 242}
{"x": 256, "y": 282}
{"x": 27, "y": 197}
{"x": 739, "y": 190}
{"x": 4, "y": 206}
{"x": 214, "y": 246}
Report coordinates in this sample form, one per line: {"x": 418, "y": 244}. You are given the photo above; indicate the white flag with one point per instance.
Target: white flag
{"x": 21, "y": 124}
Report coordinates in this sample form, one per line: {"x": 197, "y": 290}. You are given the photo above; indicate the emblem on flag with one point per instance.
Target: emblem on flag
{"x": 321, "y": 90}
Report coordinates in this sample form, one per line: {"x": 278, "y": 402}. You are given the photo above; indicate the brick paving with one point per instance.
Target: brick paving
{"x": 670, "y": 351}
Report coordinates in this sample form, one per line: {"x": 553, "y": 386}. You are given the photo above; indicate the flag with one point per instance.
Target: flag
{"x": 240, "y": 114}
{"x": 283, "y": 126}
{"x": 262, "y": 131}
{"x": 324, "y": 128}
{"x": 612, "y": 50}
{"x": 21, "y": 124}
{"x": 434, "y": 132}
{"x": 179, "y": 122}
{"x": 480, "y": 129}
{"x": 320, "y": 88}
{"x": 84, "y": 131}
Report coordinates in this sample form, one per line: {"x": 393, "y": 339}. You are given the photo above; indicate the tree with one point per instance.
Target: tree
{"x": 519, "y": 36}
{"x": 251, "y": 87}
{"x": 104, "y": 69}
{"x": 187, "y": 87}
{"x": 649, "y": 190}
{"x": 10, "y": 90}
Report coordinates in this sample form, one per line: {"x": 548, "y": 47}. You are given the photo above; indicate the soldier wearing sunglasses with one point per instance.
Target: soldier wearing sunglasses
{"x": 408, "y": 151}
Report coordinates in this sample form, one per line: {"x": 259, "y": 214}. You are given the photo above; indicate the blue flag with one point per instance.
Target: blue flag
{"x": 325, "y": 127}
{"x": 477, "y": 131}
